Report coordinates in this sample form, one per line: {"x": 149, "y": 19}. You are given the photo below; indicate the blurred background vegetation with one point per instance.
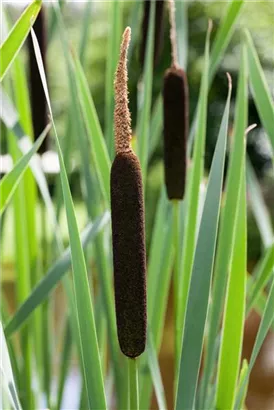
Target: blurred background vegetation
{"x": 257, "y": 16}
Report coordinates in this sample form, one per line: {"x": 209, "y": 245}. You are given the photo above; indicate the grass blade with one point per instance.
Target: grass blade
{"x": 145, "y": 95}
{"x": 7, "y": 380}
{"x": 10, "y": 118}
{"x": 99, "y": 150}
{"x": 234, "y": 314}
{"x": 53, "y": 277}
{"x": 23, "y": 278}
{"x": 258, "y": 206}
{"x": 260, "y": 90}
{"x": 227, "y": 225}
{"x": 219, "y": 46}
{"x": 224, "y": 35}
{"x": 86, "y": 326}
{"x": 12, "y": 45}
{"x": 266, "y": 322}
{"x": 156, "y": 125}
{"x": 243, "y": 374}
{"x": 159, "y": 273}
{"x": 199, "y": 289}
{"x": 11, "y": 180}
{"x": 262, "y": 275}
{"x": 155, "y": 373}
{"x": 192, "y": 198}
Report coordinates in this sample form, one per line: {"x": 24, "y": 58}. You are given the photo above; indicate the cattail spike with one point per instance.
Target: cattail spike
{"x": 128, "y": 224}
{"x": 122, "y": 119}
{"x": 173, "y": 37}
{"x": 175, "y": 96}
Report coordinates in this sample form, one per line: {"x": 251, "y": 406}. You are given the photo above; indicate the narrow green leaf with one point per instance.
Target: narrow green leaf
{"x": 9, "y": 116}
{"x": 220, "y": 43}
{"x": 77, "y": 119}
{"x": 12, "y": 45}
{"x": 260, "y": 90}
{"x": 227, "y": 223}
{"x": 234, "y": 313}
{"x": 7, "y": 380}
{"x": 261, "y": 276}
{"x": 83, "y": 46}
{"x": 145, "y": 95}
{"x": 156, "y": 125}
{"x": 98, "y": 147}
{"x": 155, "y": 373}
{"x": 159, "y": 276}
{"x": 23, "y": 278}
{"x": 258, "y": 206}
{"x": 90, "y": 356}
{"x": 199, "y": 289}
{"x": 192, "y": 198}
{"x": 11, "y": 180}
{"x": 242, "y": 377}
{"x": 266, "y": 322}
{"x": 46, "y": 285}
{"x": 224, "y": 34}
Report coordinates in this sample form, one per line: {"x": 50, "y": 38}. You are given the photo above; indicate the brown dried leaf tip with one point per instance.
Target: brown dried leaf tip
{"x": 122, "y": 120}
{"x": 128, "y": 227}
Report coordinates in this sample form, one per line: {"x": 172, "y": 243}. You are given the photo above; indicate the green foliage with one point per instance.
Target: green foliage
{"x": 205, "y": 243}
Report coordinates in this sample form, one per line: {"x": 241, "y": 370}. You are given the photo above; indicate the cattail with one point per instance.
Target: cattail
{"x": 158, "y": 33}
{"x": 38, "y": 101}
{"x": 127, "y": 214}
{"x": 175, "y": 96}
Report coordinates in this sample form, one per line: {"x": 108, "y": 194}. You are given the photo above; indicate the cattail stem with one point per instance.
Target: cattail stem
{"x": 176, "y": 281}
{"x": 172, "y": 34}
{"x": 133, "y": 385}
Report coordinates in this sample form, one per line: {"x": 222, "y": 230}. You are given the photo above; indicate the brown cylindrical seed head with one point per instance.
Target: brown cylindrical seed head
{"x": 129, "y": 253}
{"x": 175, "y": 96}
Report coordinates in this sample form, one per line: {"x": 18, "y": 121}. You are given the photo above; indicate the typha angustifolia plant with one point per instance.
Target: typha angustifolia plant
{"x": 128, "y": 231}
{"x": 175, "y": 105}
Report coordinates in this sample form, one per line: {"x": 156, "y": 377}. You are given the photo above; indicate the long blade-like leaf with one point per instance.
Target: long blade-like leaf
{"x": 13, "y": 43}
{"x": 262, "y": 274}
{"x": 258, "y": 206}
{"x": 260, "y": 90}
{"x": 227, "y": 224}
{"x": 192, "y": 198}
{"x": 11, "y": 180}
{"x": 98, "y": 147}
{"x": 7, "y": 380}
{"x": 54, "y": 275}
{"x": 90, "y": 356}
{"x": 234, "y": 314}
{"x": 266, "y": 322}
{"x": 199, "y": 289}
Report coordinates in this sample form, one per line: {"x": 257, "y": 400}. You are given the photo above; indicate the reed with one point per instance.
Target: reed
{"x": 127, "y": 214}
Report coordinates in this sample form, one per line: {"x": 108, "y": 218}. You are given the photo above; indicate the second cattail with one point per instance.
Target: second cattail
{"x": 175, "y": 100}
{"x": 128, "y": 231}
